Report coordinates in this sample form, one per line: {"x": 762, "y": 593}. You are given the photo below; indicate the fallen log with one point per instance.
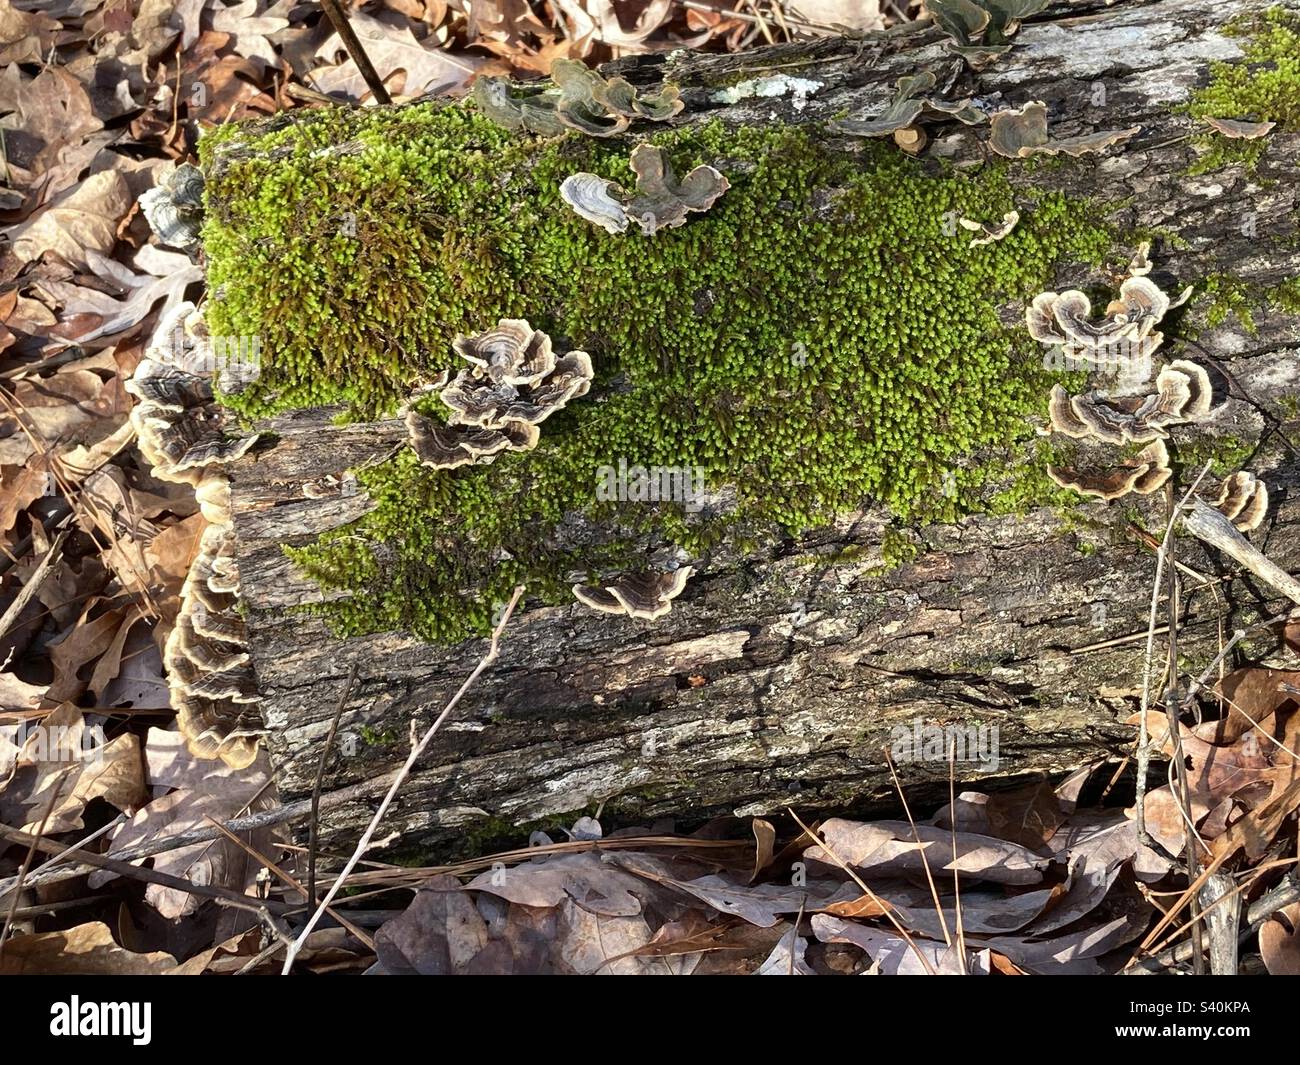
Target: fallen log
{"x": 789, "y": 665}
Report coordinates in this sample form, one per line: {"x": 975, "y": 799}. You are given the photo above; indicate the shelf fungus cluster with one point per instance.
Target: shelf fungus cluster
{"x": 1065, "y": 319}
{"x": 514, "y": 382}
{"x": 1021, "y": 133}
{"x": 1243, "y": 500}
{"x": 981, "y": 30}
{"x": 990, "y": 233}
{"x": 1183, "y": 394}
{"x": 1182, "y": 391}
{"x": 902, "y": 117}
{"x": 174, "y": 207}
{"x": 1111, "y": 477}
{"x": 648, "y": 596}
{"x": 581, "y": 99}
{"x": 213, "y": 687}
{"x": 183, "y": 434}
{"x": 661, "y": 201}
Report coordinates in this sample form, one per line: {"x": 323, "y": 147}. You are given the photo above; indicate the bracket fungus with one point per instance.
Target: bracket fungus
{"x": 990, "y": 234}
{"x": 980, "y": 32}
{"x": 1019, "y": 134}
{"x": 904, "y": 111}
{"x": 514, "y": 383}
{"x": 581, "y": 99}
{"x": 183, "y": 435}
{"x": 517, "y": 108}
{"x": 1237, "y": 129}
{"x": 648, "y": 596}
{"x": 1243, "y": 500}
{"x": 1142, "y": 473}
{"x": 174, "y": 207}
{"x": 590, "y": 198}
{"x": 1065, "y": 318}
{"x": 1182, "y": 395}
{"x": 445, "y": 447}
{"x": 660, "y": 202}
{"x": 212, "y": 685}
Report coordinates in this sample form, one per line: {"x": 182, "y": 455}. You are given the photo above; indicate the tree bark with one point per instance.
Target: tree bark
{"x": 778, "y": 677}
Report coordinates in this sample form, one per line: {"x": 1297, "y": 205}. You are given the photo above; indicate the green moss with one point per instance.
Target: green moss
{"x": 1222, "y": 295}
{"x": 1226, "y": 453}
{"x": 814, "y": 357}
{"x": 1263, "y": 86}
{"x": 1285, "y": 296}
{"x": 897, "y": 548}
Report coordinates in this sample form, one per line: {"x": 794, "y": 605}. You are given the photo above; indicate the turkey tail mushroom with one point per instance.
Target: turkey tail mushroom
{"x": 184, "y": 436}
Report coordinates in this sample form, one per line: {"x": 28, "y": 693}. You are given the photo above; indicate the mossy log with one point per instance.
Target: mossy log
{"x": 781, "y": 672}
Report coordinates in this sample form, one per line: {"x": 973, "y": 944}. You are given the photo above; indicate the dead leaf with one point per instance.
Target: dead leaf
{"x": 1279, "y": 942}
{"x": 250, "y": 30}
{"x": 24, "y": 37}
{"x": 203, "y": 788}
{"x": 61, "y": 756}
{"x": 83, "y": 220}
{"x": 427, "y": 70}
{"x": 86, "y": 950}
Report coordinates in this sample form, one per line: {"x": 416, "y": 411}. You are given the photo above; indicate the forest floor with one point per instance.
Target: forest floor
{"x": 96, "y": 98}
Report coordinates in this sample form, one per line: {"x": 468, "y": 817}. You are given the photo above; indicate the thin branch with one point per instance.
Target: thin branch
{"x": 33, "y": 584}
{"x": 417, "y": 749}
{"x": 55, "y": 792}
{"x": 339, "y": 20}
{"x": 135, "y": 872}
{"x": 320, "y": 776}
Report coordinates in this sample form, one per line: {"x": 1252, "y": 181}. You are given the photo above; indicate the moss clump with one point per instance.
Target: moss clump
{"x": 822, "y": 337}
{"x": 1263, "y": 86}
{"x": 1285, "y": 296}
{"x": 1226, "y": 454}
{"x": 1223, "y": 296}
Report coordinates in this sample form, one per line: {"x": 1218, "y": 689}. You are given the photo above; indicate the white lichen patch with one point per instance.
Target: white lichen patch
{"x": 777, "y": 85}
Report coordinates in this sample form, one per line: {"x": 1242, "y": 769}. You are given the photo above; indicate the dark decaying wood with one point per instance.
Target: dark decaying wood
{"x": 777, "y": 678}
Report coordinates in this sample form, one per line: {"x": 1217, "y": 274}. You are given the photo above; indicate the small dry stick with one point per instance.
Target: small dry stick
{"x": 320, "y": 776}
{"x": 1211, "y": 526}
{"x": 33, "y": 584}
{"x": 1172, "y": 701}
{"x": 417, "y": 749}
{"x": 31, "y": 854}
{"x": 925, "y": 862}
{"x": 339, "y": 20}
{"x": 1143, "y": 751}
{"x": 885, "y": 907}
{"x": 225, "y": 896}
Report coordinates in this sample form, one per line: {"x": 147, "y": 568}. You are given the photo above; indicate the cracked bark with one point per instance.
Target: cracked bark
{"x": 778, "y": 677}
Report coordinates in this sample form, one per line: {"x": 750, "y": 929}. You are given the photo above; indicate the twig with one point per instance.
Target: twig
{"x": 31, "y": 853}
{"x": 320, "y": 776}
{"x": 153, "y": 876}
{"x": 1240, "y": 634}
{"x": 1210, "y": 525}
{"x": 1143, "y": 751}
{"x": 263, "y": 819}
{"x": 254, "y": 853}
{"x": 339, "y": 20}
{"x": 33, "y": 584}
{"x": 417, "y": 749}
{"x": 885, "y": 907}
{"x": 1260, "y": 911}
{"x": 1178, "y": 764}
{"x": 925, "y": 862}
